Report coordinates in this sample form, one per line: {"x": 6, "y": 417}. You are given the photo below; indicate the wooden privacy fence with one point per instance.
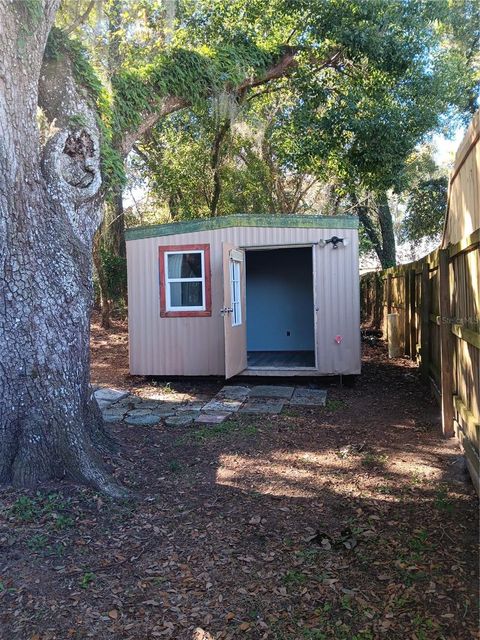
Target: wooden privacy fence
{"x": 437, "y": 299}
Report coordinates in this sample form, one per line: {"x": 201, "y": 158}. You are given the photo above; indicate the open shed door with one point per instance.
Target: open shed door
{"x": 234, "y": 315}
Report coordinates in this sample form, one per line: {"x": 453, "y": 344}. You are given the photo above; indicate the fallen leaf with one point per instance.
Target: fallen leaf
{"x": 113, "y": 614}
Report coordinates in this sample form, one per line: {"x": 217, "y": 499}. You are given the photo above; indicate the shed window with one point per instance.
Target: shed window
{"x": 235, "y": 271}
{"x": 185, "y": 281}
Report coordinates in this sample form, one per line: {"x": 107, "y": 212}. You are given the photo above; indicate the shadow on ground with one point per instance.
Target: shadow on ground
{"x": 349, "y": 522}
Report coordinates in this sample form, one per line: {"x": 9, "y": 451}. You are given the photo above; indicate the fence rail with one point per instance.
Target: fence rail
{"x": 437, "y": 299}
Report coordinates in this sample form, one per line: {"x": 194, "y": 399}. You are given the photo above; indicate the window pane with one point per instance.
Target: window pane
{"x": 186, "y": 294}
{"x": 235, "y": 293}
{"x": 185, "y": 265}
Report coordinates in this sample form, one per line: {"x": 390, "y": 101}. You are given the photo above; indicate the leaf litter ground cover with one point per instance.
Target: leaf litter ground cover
{"x": 349, "y": 522}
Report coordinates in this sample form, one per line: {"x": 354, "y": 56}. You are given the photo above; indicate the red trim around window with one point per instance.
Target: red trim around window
{"x": 208, "y": 281}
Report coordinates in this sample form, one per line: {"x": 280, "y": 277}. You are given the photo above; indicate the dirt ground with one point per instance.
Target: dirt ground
{"x": 352, "y": 522}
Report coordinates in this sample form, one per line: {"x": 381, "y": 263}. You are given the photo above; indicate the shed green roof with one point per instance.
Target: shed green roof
{"x": 242, "y": 220}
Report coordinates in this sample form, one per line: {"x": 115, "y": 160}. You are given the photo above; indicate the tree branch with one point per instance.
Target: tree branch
{"x": 286, "y": 64}
{"x": 169, "y": 105}
{"x": 81, "y": 19}
{"x": 141, "y": 154}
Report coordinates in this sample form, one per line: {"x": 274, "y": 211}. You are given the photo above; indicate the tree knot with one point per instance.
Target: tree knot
{"x": 77, "y": 169}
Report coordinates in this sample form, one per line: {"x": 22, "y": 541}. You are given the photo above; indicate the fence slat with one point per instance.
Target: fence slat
{"x": 413, "y": 317}
{"x": 425, "y": 322}
{"x": 446, "y": 343}
{"x": 406, "y": 317}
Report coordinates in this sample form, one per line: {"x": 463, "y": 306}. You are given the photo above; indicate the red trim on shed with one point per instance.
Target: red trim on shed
{"x": 185, "y": 248}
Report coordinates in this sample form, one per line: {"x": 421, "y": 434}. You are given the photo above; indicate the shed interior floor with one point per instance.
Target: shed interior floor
{"x": 273, "y": 359}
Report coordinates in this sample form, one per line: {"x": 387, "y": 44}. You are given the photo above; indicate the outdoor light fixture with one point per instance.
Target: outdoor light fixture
{"x": 334, "y": 241}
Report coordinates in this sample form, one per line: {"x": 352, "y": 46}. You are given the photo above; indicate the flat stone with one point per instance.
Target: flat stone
{"x": 212, "y": 418}
{"x": 309, "y": 397}
{"x": 263, "y": 405}
{"x": 182, "y": 420}
{"x": 112, "y": 415}
{"x": 223, "y": 405}
{"x": 191, "y": 406}
{"x": 165, "y": 410}
{"x": 143, "y": 420}
{"x": 104, "y": 404}
{"x": 110, "y": 395}
{"x": 234, "y": 392}
{"x": 126, "y": 402}
{"x": 271, "y": 391}
{"x": 147, "y": 404}
{"x": 139, "y": 412}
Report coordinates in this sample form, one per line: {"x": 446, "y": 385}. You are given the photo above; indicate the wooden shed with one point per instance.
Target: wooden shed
{"x": 268, "y": 295}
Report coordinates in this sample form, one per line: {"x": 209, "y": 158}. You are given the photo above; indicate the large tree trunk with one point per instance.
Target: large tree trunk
{"x": 50, "y": 424}
{"x": 116, "y": 230}
{"x": 105, "y": 310}
{"x": 378, "y": 224}
{"x": 389, "y": 258}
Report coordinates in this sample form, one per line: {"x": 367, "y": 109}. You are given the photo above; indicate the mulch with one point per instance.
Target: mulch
{"x": 351, "y": 522}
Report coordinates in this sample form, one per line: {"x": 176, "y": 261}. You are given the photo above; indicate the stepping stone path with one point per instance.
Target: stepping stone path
{"x": 263, "y": 405}
{"x": 309, "y": 397}
{"x": 272, "y": 391}
{"x": 118, "y": 406}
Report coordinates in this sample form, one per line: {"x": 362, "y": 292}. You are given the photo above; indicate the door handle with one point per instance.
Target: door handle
{"x": 225, "y": 310}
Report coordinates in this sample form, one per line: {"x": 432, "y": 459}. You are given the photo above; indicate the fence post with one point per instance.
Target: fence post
{"x": 446, "y": 343}
{"x": 388, "y": 300}
{"x": 425, "y": 322}
{"x": 389, "y": 293}
{"x": 413, "y": 314}
{"x": 378, "y": 302}
{"x": 406, "y": 312}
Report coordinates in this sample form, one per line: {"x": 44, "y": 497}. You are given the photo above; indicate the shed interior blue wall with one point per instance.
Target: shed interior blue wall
{"x": 280, "y": 300}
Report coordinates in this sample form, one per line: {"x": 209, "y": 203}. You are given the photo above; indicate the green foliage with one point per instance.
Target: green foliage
{"x": 60, "y": 45}
{"x": 50, "y": 507}
{"x": 402, "y": 68}
{"x": 24, "y": 509}
{"x": 227, "y": 428}
{"x": 192, "y": 75}
{"x": 77, "y": 121}
{"x": 426, "y": 209}
{"x": 335, "y": 405}
{"x": 294, "y": 578}
{"x": 177, "y": 162}
{"x": 86, "y": 580}
{"x": 174, "y": 466}
{"x": 31, "y": 12}
{"x": 115, "y": 269}
{"x": 442, "y": 499}
{"x": 37, "y": 543}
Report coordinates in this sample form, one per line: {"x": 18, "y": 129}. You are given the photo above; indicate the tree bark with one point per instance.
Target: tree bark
{"x": 116, "y": 232}
{"x": 50, "y": 423}
{"x": 382, "y": 235}
{"x": 105, "y": 310}
{"x": 389, "y": 258}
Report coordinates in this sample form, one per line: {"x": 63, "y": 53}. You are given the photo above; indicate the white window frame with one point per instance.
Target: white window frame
{"x": 169, "y": 281}
{"x": 236, "y": 292}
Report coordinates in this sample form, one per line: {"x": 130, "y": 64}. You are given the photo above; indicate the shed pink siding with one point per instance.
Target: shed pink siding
{"x": 195, "y": 346}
